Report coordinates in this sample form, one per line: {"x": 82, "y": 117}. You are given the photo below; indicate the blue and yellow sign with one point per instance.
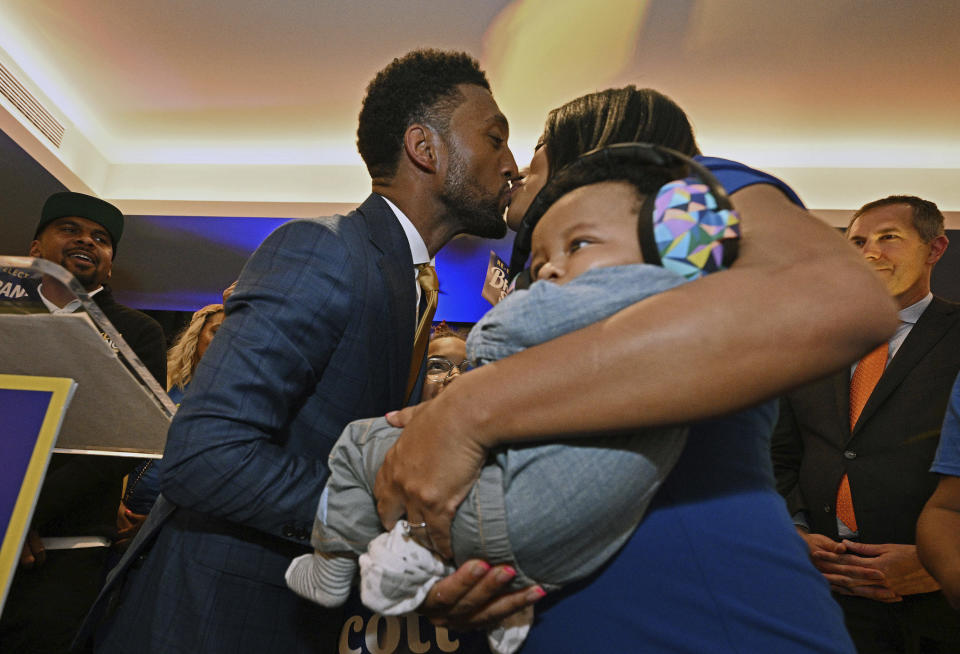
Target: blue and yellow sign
{"x": 31, "y": 412}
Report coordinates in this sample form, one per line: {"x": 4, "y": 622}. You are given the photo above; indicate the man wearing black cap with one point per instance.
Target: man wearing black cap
{"x": 81, "y": 233}
{"x": 53, "y": 590}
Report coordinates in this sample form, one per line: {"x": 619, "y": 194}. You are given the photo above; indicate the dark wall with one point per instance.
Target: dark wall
{"x": 24, "y": 187}
{"x": 946, "y": 275}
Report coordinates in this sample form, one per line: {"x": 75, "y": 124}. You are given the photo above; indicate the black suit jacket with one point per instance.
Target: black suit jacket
{"x": 142, "y": 333}
{"x": 887, "y": 456}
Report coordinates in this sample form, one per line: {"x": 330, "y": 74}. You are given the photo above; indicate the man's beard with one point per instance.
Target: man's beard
{"x": 87, "y": 278}
{"x": 474, "y": 211}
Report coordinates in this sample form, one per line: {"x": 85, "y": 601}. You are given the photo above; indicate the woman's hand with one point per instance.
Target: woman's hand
{"x": 429, "y": 470}
{"x": 476, "y": 597}
{"x": 128, "y": 524}
{"x": 33, "y": 554}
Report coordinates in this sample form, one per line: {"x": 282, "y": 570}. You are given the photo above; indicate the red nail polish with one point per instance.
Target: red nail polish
{"x": 480, "y": 568}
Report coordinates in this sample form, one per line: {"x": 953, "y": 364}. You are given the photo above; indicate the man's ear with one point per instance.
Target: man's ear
{"x": 35, "y": 249}
{"x": 421, "y": 145}
{"x": 937, "y": 247}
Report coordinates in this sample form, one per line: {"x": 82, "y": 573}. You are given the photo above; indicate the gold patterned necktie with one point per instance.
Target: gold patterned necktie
{"x": 864, "y": 380}
{"x": 429, "y": 285}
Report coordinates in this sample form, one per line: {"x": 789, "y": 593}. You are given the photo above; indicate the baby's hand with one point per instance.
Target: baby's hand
{"x": 403, "y": 417}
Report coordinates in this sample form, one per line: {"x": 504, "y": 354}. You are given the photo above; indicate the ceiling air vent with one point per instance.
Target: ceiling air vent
{"x": 30, "y": 106}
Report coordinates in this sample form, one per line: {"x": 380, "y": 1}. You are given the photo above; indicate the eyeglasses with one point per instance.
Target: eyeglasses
{"x": 439, "y": 369}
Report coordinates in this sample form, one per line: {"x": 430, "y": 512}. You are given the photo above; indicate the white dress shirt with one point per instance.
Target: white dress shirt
{"x": 69, "y": 307}
{"x": 418, "y": 248}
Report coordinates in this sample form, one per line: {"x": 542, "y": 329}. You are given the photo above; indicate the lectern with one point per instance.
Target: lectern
{"x": 68, "y": 383}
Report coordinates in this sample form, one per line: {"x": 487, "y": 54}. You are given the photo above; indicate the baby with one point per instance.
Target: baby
{"x": 556, "y": 511}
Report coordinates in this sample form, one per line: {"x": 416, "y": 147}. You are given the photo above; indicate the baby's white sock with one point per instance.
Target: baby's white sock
{"x": 321, "y": 577}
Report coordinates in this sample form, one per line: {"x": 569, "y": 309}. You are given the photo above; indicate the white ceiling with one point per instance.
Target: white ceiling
{"x": 248, "y": 107}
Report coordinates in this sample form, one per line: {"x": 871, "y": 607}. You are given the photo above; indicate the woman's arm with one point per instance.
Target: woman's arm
{"x": 937, "y": 542}
{"x": 798, "y": 304}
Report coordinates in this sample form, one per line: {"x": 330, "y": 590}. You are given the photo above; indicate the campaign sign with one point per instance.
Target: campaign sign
{"x": 31, "y": 412}
{"x": 496, "y": 284}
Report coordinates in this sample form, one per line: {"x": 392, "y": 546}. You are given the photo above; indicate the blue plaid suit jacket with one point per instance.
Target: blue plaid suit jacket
{"x": 319, "y": 332}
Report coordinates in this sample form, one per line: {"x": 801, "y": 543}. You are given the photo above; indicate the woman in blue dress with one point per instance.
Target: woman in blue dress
{"x": 716, "y": 565}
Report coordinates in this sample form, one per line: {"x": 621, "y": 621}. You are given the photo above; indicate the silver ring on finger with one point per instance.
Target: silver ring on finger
{"x": 409, "y": 526}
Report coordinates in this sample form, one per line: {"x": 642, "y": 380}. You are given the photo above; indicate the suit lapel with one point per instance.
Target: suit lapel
{"x": 841, "y": 395}
{"x": 930, "y": 328}
{"x": 396, "y": 269}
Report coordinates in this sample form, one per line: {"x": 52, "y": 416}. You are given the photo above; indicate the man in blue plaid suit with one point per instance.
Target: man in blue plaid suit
{"x": 319, "y": 332}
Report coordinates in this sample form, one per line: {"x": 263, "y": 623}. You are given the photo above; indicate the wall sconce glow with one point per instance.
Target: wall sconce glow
{"x": 530, "y": 39}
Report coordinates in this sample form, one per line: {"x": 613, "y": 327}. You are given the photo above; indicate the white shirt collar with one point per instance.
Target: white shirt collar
{"x": 908, "y": 318}
{"x": 418, "y": 249}
{"x": 70, "y": 306}
{"x": 912, "y": 313}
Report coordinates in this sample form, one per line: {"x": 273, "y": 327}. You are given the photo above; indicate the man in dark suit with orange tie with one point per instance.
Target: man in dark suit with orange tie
{"x": 852, "y": 452}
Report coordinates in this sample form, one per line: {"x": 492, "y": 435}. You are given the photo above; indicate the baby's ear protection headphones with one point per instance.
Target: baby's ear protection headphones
{"x": 688, "y": 226}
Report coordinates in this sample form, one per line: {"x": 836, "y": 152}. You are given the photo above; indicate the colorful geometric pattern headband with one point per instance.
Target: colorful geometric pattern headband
{"x": 693, "y": 236}
{"x": 687, "y": 226}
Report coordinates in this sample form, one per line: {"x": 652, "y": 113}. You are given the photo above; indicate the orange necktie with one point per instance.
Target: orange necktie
{"x": 429, "y": 285}
{"x": 864, "y": 380}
